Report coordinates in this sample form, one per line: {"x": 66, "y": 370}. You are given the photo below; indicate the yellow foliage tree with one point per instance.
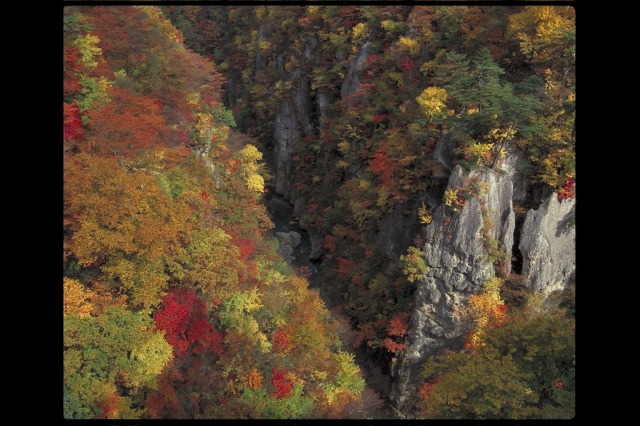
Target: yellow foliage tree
{"x": 545, "y": 34}
{"x": 486, "y": 309}
{"x": 432, "y": 102}
{"x": 251, "y": 168}
{"x": 411, "y": 45}
{"x": 76, "y": 298}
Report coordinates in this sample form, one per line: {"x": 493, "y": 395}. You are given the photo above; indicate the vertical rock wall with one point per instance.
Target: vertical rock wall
{"x": 458, "y": 264}
{"x": 547, "y": 244}
{"x": 294, "y": 121}
{"x": 458, "y": 267}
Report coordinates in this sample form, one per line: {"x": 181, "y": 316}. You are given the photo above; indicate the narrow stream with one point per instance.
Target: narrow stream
{"x": 281, "y": 213}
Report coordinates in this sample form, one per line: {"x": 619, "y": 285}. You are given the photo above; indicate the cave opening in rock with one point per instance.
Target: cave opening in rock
{"x": 516, "y": 254}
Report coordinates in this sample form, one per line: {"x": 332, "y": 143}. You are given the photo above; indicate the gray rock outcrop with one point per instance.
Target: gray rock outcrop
{"x": 443, "y": 152}
{"x": 285, "y": 135}
{"x": 357, "y": 65}
{"x": 288, "y": 241}
{"x": 317, "y": 245}
{"x": 458, "y": 267}
{"x": 547, "y": 244}
{"x": 287, "y": 253}
{"x": 292, "y": 238}
{"x": 510, "y": 166}
{"x": 293, "y": 119}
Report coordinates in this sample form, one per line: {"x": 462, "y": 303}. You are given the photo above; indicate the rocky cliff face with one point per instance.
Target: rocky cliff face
{"x": 356, "y": 67}
{"x": 458, "y": 267}
{"x": 288, "y": 241}
{"x": 293, "y": 121}
{"x": 509, "y": 165}
{"x": 286, "y": 136}
{"x": 547, "y": 244}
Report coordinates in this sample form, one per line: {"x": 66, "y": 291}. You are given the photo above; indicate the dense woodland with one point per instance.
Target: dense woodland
{"x": 176, "y": 301}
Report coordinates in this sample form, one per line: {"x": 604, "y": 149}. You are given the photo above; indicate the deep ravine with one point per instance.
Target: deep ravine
{"x": 374, "y": 367}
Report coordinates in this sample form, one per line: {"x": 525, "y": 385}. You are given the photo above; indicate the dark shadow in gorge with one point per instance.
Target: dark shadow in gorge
{"x": 281, "y": 213}
{"x": 373, "y": 362}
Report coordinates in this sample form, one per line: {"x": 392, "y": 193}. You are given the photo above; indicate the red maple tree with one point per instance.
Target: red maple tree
{"x": 183, "y": 317}
{"x": 281, "y": 384}
{"x": 72, "y": 123}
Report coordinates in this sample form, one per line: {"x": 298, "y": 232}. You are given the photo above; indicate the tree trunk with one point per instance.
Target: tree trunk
{"x": 495, "y": 157}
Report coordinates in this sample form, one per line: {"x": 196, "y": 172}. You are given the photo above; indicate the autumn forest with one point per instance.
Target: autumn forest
{"x": 425, "y": 156}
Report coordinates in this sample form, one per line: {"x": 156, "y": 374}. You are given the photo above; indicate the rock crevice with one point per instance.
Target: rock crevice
{"x": 459, "y": 263}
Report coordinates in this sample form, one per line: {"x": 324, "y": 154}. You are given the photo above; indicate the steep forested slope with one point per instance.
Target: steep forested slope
{"x": 175, "y": 305}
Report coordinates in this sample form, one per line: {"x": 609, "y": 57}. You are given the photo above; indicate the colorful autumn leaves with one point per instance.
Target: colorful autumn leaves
{"x": 183, "y": 318}
{"x": 175, "y": 306}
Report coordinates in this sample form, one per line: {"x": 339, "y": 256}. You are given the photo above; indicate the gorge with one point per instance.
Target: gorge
{"x": 463, "y": 249}
{"x": 348, "y": 211}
